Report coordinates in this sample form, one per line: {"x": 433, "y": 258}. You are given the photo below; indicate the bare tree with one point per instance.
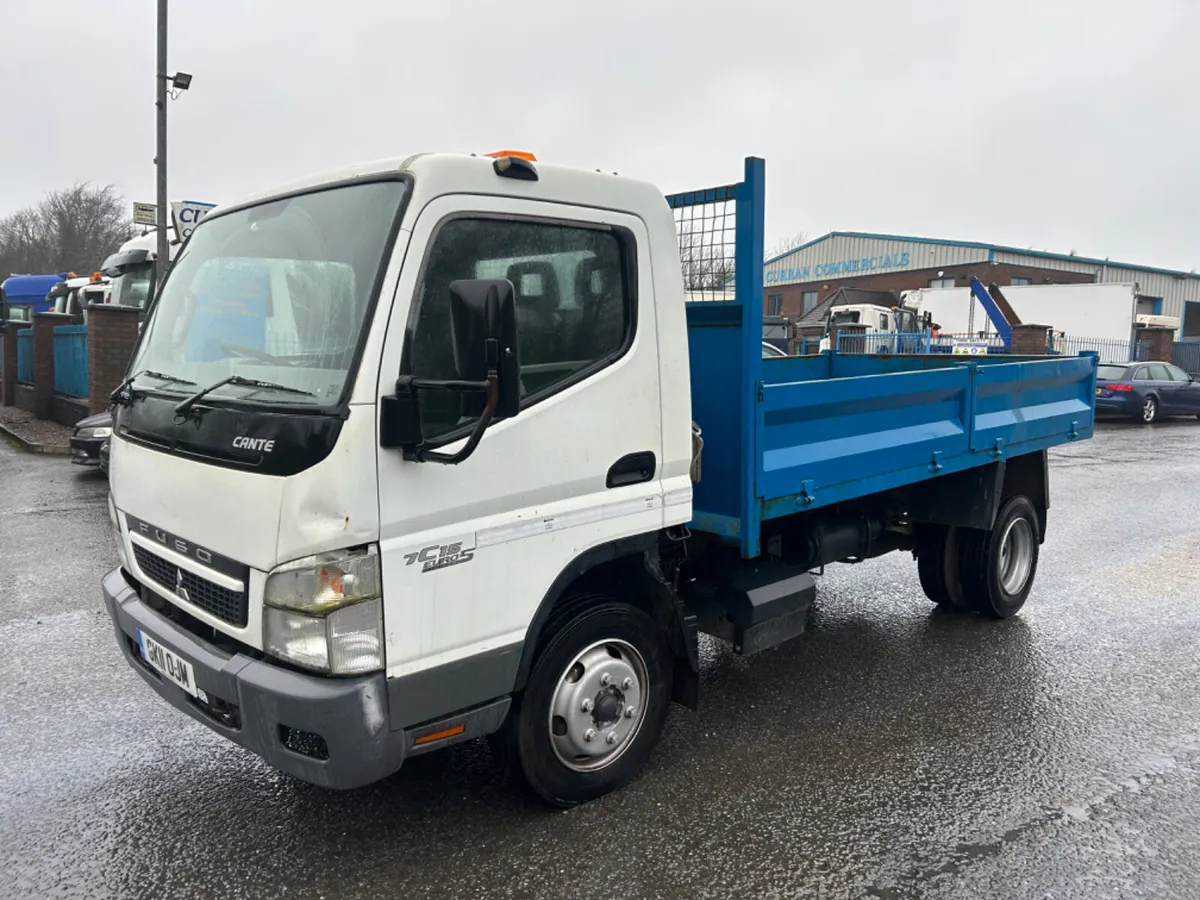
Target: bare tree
{"x": 788, "y": 244}
{"x": 706, "y": 258}
{"x": 72, "y": 230}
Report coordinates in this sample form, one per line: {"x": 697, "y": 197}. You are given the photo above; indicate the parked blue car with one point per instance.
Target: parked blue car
{"x": 1146, "y": 391}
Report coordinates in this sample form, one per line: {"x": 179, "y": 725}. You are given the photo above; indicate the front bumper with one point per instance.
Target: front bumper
{"x": 86, "y": 451}
{"x": 286, "y": 717}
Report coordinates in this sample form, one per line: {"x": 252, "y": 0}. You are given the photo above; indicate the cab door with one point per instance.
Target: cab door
{"x": 469, "y": 550}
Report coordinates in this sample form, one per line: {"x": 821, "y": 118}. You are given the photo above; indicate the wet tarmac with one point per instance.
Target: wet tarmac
{"x": 890, "y": 752}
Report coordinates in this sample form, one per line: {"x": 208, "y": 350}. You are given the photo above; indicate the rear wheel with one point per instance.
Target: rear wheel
{"x": 595, "y": 704}
{"x": 937, "y": 567}
{"x": 998, "y": 566}
{"x": 1149, "y": 411}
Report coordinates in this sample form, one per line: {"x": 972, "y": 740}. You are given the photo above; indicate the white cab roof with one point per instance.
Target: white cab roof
{"x": 443, "y": 173}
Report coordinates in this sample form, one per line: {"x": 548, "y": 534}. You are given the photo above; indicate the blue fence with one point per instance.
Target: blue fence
{"x": 71, "y": 360}
{"x": 1186, "y": 355}
{"x": 806, "y": 345}
{"x": 25, "y": 355}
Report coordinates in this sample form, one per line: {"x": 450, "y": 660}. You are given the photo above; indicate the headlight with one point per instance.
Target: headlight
{"x": 94, "y": 432}
{"x": 324, "y": 613}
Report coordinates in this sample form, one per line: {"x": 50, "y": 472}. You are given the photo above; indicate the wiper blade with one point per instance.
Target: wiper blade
{"x": 118, "y": 395}
{"x": 184, "y": 405}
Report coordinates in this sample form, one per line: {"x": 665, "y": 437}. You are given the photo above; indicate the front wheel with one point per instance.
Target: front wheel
{"x": 1149, "y": 411}
{"x": 998, "y": 566}
{"x": 595, "y": 704}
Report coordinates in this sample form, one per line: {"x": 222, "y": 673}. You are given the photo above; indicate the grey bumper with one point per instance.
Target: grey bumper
{"x": 266, "y": 708}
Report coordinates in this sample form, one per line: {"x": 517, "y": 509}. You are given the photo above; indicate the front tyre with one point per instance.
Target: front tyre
{"x": 998, "y": 566}
{"x": 595, "y": 704}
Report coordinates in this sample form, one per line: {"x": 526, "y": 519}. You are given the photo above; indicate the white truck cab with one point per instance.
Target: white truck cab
{"x": 315, "y": 563}
{"x": 873, "y": 318}
{"x": 72, "y": 296}
{"x": 131, "y": 268}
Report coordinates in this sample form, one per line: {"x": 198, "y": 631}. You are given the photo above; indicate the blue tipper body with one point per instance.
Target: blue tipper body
{"x": 787, "y": 435}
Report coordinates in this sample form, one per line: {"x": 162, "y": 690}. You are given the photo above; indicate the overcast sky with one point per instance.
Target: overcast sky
{"x": 1056, "y": 124}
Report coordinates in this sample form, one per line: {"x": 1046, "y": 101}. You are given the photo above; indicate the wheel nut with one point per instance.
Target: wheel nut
{"x": 629, "y": 711}
{"x": 626, "y": 684}
{"x": 611, "y": 737}
{"x": 586, "y": 706}
{"x": 605, "y": 680}
{"x": 589, "y": 735}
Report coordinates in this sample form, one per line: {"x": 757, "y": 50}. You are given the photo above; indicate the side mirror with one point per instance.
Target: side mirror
{"x": 483, "y": 322}
{"x": 483, "y": 316}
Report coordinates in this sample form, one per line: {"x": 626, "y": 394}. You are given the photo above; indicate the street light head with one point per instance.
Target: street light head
{"x": 181, "y": 81}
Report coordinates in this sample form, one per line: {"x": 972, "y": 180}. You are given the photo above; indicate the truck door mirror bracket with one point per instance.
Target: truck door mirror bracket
{"x": 484, "y": 325}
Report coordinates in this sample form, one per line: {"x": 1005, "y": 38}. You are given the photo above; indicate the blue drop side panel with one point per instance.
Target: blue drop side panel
{"x": 843, "y": 430}
{"x": 714, "y": 352}
{"x": 1026, "y": 401}
{"x": 838, "y": 439}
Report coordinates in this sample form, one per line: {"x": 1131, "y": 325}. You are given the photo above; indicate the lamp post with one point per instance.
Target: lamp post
{"x": 180, "y": 81}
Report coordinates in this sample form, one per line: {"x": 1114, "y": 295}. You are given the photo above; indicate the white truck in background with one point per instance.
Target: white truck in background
{"x": 131, "y": 269}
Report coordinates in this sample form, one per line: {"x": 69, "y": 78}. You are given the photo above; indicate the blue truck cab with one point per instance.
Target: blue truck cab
{"x": 23, "y": 295}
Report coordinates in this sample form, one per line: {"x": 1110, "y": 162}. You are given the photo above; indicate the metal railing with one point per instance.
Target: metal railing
{"x": 71, "y": 360}
{"x": 25, "y": 355}
{"x": 1186, "y": 355}
{"x": 1108, "y": 349}
{"x": 883, "y": 342}
{"x": 967, "y": 343}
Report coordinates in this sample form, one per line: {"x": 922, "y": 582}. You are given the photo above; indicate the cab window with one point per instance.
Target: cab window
{"x": 571, "y": 284}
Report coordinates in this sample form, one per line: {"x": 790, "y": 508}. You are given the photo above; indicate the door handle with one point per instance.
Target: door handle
{"x": 634, "y": 468}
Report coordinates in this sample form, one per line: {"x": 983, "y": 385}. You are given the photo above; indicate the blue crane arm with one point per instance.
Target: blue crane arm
{"x": 1003, "y": 327}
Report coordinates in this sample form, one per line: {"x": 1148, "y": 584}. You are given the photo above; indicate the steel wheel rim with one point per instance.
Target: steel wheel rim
{"x": 1016, "y": 555}
{"x": 598, "y": 705}
{"x": 1148, "y": 410}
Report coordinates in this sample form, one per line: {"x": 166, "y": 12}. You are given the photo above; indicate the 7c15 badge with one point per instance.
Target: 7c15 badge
{"x": 441, "y": 556}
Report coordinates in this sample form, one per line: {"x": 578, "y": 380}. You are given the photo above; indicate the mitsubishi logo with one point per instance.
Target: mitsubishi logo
{"x": 179, "y": 588}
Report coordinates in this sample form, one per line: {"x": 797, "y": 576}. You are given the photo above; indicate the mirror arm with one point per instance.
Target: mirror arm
{"x": 493, "y": 395}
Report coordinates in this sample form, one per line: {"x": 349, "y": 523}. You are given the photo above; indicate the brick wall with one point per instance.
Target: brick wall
{"x": 1160, "y": 343}
{"x": 43, "y": 360}
{"x": 112, "y": 334}
{"x": 910, "y": 280}
{"x": 68, "y": 410}
{"x": 23, "y": 397}
{"x": 1029, "y": 340}
{"x": 8, "y": 373}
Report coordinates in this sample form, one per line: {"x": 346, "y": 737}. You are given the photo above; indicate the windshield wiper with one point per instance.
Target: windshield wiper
{"x": 184, "y": 405}
{"x": 118, "y": 395}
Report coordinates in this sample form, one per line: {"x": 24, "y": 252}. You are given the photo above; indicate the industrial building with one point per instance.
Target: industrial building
{"x": 797, "y": 282}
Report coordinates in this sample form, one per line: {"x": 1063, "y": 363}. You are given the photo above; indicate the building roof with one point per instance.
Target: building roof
{"x": 990, "y": 248}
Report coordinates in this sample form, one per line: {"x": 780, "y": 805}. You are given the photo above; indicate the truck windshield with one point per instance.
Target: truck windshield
{"x": 132, "y": 286}
{"x": 276, "y": 292}
{"x": 844, "y": 318}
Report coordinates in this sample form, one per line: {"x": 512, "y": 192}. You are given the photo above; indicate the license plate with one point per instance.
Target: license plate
{"x": 167, "y": 664}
